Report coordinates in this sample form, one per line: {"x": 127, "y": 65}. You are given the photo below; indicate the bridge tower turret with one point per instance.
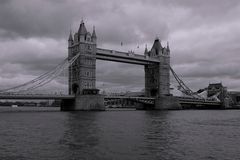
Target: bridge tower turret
{"x": 94, "y": 36}
{"x": 70, "y": 39}
{"x": 146, "y": 51}
{"x": 70, "y": 43}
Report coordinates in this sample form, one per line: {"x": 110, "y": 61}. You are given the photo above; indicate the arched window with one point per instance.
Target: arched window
{"x": 89, "y": 47}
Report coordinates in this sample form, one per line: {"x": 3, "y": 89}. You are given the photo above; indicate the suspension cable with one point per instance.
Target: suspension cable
{"x": 186, "y": 90}
{"x": 42, "y": 79}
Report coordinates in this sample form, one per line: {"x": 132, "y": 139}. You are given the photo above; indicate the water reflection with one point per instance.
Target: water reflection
{"x": 120, "y": 135}
{"x": 81, "y": 135}
{"x": 159, "y": 135}
{"x": 102, "y": 135}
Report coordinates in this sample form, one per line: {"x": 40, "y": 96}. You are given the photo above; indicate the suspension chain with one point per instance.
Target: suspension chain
{"x": 185, "y": 89}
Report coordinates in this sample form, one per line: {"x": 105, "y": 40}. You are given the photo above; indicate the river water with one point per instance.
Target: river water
{"x": 33, "y": 134}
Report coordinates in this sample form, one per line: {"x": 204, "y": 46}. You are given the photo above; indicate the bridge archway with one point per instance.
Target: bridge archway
{"x": 154, "y": 92}
{"x": 75, "y": 88}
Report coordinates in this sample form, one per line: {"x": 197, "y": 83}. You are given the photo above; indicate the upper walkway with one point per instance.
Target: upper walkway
{"x": 125, "y": 57}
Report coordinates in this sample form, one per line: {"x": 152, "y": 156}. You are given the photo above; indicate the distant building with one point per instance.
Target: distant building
{"x": 234, "y": 98}
{"x": 217, "y": 90}
{"x": 214, "y": 88}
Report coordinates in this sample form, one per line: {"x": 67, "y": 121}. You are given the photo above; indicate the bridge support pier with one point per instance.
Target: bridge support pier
{"x": 226, "y": 103}
{"x": 140, "y": 106}
{"x": 84, "y": 103}
{"x": 167, "y": 103}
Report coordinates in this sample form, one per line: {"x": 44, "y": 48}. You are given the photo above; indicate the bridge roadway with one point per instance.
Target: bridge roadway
{"x": 125, "y": 57}
{"x": 143, "y": 100}
{"x": 182, "y": 100}
{"x": 196, "y": 101}
{"x": 35, "y": 96}
{"x": 147, "y": 100}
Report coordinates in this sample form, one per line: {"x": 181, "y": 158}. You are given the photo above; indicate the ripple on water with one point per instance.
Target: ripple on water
{"x": 120, "y": 135}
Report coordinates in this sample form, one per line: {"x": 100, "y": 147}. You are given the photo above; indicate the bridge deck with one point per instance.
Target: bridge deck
{"x": 128, "y": 97}
{"x": 182, "y": 100}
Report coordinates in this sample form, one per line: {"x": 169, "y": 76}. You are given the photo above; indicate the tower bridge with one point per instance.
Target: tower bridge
{"x": 81, "y": 65}
{"x": 82, "y": 73}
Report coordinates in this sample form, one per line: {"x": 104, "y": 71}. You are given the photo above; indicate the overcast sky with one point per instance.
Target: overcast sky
{"x": 204, "y": 38}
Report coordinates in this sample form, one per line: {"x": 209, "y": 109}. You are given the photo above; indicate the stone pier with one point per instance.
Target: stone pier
{"x": 167, "y": 103}
{"x": 84, "y": 103}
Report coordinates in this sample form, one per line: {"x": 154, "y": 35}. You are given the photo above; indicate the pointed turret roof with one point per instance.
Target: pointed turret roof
{"x": 82, "y": 29}
{"x": 168, "y": 49}
{"x": 70, "y": 36}
{"x": 157, "y": 45}
{"x": 146, "y": 50}
{"x": 94, "y": 33}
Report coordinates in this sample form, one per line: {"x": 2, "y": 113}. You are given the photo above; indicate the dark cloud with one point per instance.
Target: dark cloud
{"x": 42, "y": 18}
{"x": 203, "y": 37}
{"x": 208, "y": 8}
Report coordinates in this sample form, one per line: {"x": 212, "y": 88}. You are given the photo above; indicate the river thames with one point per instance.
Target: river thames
{"x": 119, "y": 135}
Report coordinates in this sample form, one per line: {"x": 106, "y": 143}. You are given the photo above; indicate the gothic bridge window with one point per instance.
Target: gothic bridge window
{"x": 89, "y": 47}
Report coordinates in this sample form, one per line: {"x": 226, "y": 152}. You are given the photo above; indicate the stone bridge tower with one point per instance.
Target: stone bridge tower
{"x": 82, "y": 76}
{"x": 82, "y": 72}
{"x": 157, "y": 76}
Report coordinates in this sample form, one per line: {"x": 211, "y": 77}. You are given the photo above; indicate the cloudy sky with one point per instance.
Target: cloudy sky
{"x": 204, "y": 38}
